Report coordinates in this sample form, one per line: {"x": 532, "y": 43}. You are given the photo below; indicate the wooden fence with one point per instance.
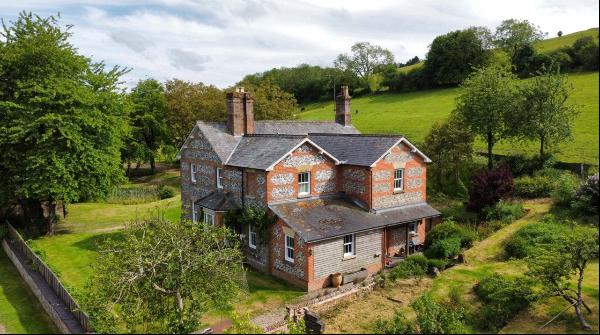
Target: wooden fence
{"x": 50, "y": 277}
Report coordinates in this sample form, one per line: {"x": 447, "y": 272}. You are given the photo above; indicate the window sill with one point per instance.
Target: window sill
{"x": 302, "y": 196}
{"x": 346, "y": 258}
{"x": 289, "y": 261}
{"x": 253, "y": 247}
{"x": 398, "y": 191}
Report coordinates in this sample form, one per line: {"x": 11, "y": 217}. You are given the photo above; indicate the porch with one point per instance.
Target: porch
{"x": 404, "y": 239}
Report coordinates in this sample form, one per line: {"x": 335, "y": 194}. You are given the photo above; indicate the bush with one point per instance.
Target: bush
{"x": 533, "y": 187}
{"x": 521, "y": 165}
{"x": 440, "y": 264}
{"x": 525, "y": 241}
{"x": 446, "y": 248}
{"x": 399, "y": 324}
{"x": 490, "y": 186}
{"x": 458, "y": 213}
{"x": 564, "y": 192}
{"x": 435, "y": 318}
{"x": 504, "y": 298}
{"x": 165, "y": 192}
{"x": 450, "y": 229}
{"x": 587, "y": 197}
{"x": 412, "y": 266}
{"x": 504, "y": 211}
{"x": 488, "y": 228}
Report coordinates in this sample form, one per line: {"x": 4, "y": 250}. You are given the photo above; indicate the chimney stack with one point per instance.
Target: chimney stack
{"x": 342, "y": 108}
{"x": 240, "y": 112}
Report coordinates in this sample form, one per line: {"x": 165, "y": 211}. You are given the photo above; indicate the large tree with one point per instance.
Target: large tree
{"x": 188, "y": 102}
{"x": 148, "y": 117}
{"x": 488, "y": 96}
{"x": 163, "y": 276}
{"x": 364, "y": 59}
{"x": 271, "y": 102}
{"x": 513, "y": 34}
{"x": 546, "y": 115}
{"x": 555, "y": 266}
{"x": 450, "y": 146}
{"x": 452, "y": 56}
{"x": 62, "y": 120}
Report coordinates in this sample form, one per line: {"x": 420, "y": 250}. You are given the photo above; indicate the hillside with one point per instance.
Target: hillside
{"x": 412, "y": 115}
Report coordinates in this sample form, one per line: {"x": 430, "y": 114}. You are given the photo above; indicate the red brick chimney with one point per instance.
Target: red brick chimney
{"x": 240, "y": 112}
{"x": 342, "y": 108}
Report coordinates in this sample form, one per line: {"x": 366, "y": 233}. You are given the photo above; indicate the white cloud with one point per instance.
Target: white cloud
{"x": 219, "y": 42}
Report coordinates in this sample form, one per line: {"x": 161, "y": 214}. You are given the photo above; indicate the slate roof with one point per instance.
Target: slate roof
{"x": 217, "y": 201}
{"x": 261, "y": 151}
{"x": 302, "y": 127}
{"x": 319, "y": 219}
{"x": 219, "y": 137}
{"x": 355, "y": 149}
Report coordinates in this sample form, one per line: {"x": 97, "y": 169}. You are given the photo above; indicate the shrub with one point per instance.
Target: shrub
{"x": 489, "y": 186}
{"x": 440, "y": 264}
{"x": 504, "y": 298}
{"x": 525, "y": 241}
{"x": 458, "y": 213}
{"x": 435, "y": 318}
{"x": 444, "y": 248}
{"x": 450, "y": 229}
{"x": 399, "y": 324}
{"x": 412, "y": 266}
{"x": 533, "y": 187}
{"x": 564, "y": 192}
{"x": 522, "y": 165}
{"x": 165, "y": 192}
{"x": 587, "y": 196}
{"x": 504, "y": 211}
{"x": 488, "y": 228}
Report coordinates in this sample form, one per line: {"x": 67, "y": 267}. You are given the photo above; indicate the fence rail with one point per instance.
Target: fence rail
{"x": 50, "y": 277}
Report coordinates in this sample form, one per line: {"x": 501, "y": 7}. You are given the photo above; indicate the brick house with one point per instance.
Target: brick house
{"x": 344, "y": 202}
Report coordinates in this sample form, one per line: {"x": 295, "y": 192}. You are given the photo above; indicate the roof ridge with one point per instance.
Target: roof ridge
{"x": 357, "y": 135}
{"x": 296, "y": 121}
{"x": 275, "y": 135}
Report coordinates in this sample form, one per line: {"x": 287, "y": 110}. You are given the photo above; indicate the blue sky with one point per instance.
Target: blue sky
{"x": 218, "y": 42}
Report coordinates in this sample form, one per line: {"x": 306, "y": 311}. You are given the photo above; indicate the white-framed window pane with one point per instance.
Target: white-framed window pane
{"x": 412, "y": 227}
{"x": 399, "y": 179}
{"x": 193, "y": 172}
{"x": 289, "y": 248}
{"x": 304, "y": 183}
{"x": 251, "y": 237}
{"x": 349, "y": 245}
{"x": 194, "y": 212}
{"x": 219, "y": 178}
{"x": 208, "y": 218}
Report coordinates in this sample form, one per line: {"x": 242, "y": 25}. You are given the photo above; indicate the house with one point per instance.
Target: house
{"x": 344, "y": 202}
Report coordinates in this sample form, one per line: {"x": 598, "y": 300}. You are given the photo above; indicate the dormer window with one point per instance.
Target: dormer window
{"x": 303, "y": 183}
{"x": 193, "y": 170}
{"x": 219, "y": 178}
{"x": 398, "y": 179}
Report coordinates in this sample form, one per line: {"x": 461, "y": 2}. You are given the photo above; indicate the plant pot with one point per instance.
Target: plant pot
{"x": 336, "y": 279}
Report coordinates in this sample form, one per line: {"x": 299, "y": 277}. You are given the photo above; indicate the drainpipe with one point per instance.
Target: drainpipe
{"x": 243, "y": 190}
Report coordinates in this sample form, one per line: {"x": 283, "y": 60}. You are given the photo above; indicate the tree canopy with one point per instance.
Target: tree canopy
{"x": 62, "y": 119}
{"x": 363, "y": 60}
{"x": 512, "y": 34}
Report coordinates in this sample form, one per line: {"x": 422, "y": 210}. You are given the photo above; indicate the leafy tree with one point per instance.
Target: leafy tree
{"x": 555, "y": 267}
{"x": 560, "y": 33}
{"x": 364, "y": 59}
{"x": 399, "y": 324}
{"x": 148, "y": 116}
{"x": 435, "y": 318}
{"x": 163, "y": 275}
{"x": 487, "y": 97}
{"x": 271, "y": 102}
{"x": 512, "y": 34}
{"x": 585, "y": 53}
{"x": 587, "y": 197}
{"x": 452, "y": 56}
{"x": 546, "y": 114}
{"x": 61, "y": 120}
{"x": 450, "y": 145}
{"x": 188, "y": 102}
{"x": 412, "y": 61}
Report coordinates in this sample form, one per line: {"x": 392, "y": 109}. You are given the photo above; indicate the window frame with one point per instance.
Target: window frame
{"x": 193, "y": 171}
{"x": 195, "y": 209}
{"x": 219, "y": 178}
{"x": 206, "y": 214}
{"x": 251, "y": 236}
{"x": 413, "y": 224}
{"x": 351, "y": 244}
{"x": 304, "y": 183}
{"x": 289, "y": 248}
{"x": 398, "y": 179}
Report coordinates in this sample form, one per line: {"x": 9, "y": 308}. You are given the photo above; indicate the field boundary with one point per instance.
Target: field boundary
{"x": 45, "y": 285}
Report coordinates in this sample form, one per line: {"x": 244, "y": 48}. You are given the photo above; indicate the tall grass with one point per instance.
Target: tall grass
{"x": 133, "y": 195}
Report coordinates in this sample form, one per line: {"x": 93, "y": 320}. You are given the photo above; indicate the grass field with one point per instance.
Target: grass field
{"x": 486, "y": 257}
{"x": 412, "y": 115}
{"x": 72, "y": 252}
{"x": 20, "y": 311}
{"x": 555, "y": 43}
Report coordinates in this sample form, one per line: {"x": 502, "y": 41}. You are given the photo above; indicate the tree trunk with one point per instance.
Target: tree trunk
{"x": 152, "y": 163}
{"x": 582, "y": 320}
{"x": 542, "y": 140}
{"x": 490, "y": 147}
{"x": 128, "y": 168}
{"x": 51, "y": 220}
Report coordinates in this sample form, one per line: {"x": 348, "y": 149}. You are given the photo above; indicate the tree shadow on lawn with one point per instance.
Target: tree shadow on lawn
{"x": 92, "y": 243}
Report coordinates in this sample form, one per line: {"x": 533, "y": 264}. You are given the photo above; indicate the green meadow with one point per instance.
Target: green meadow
{"x": 412, "y": 115}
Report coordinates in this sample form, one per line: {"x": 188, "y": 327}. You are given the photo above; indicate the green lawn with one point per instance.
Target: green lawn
{"x": 73, "y": 251}
{"x": 555, "y": 43}
{"x": 412, "y": 115}
{"x": 20, "y": 311}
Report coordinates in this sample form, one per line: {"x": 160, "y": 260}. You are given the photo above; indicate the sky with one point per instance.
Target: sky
{"x": 218, "y": 42}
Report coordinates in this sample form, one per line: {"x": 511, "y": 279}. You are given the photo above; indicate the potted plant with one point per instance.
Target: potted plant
{"x": 336, "y": 279}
